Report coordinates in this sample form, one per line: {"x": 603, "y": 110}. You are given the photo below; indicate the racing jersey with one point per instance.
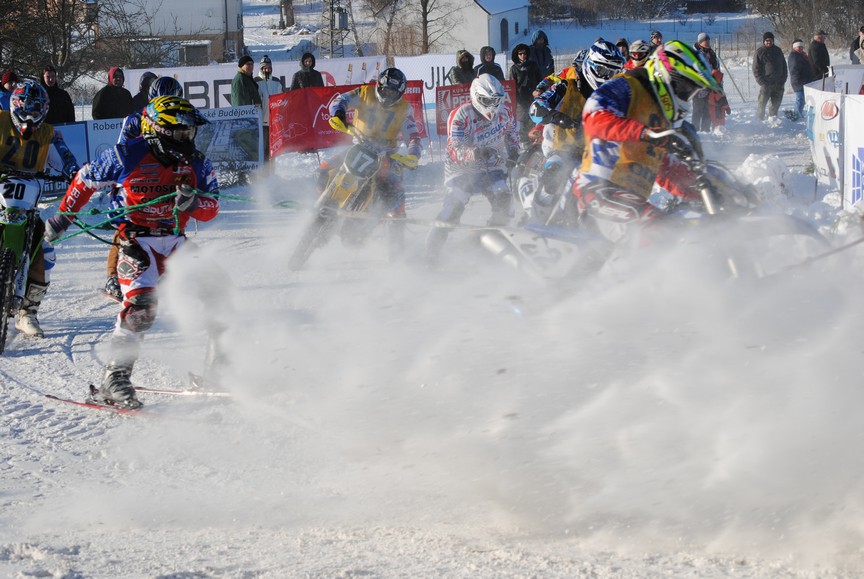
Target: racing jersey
{"x": 379, "y": 124}
{"x": 44, "y": 149}
{"x": 140, "y": 178}
{"x": 468, "y": 130}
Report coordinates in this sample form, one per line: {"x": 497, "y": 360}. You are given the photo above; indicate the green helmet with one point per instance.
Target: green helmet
{"x": 677, "y": 73}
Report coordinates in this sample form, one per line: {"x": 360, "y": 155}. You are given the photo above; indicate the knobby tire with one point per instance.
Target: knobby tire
{"x": 7, "y": 278}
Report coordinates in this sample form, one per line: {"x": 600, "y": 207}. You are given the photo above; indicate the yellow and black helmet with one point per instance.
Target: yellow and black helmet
{"x": 169, "y": 125}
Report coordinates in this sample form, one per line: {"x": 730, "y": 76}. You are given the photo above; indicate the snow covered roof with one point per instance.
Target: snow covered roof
{"x": 498, "y": 6}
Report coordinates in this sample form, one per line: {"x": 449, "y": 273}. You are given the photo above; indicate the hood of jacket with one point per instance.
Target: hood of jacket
{"x": 538, "y": 34}
{"x": 514, "y": 56}
{"x": 485, "y": 51}
{"x": 111, "y": 72}
{"x": 460, "y": 54}
{"x": 304, "y": 57}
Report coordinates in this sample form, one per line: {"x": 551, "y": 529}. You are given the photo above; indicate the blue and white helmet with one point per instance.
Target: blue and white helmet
{"x": 603, "y": 61}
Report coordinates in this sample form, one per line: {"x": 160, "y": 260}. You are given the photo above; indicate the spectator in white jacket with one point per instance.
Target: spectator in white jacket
{"x": 267, "y": 85}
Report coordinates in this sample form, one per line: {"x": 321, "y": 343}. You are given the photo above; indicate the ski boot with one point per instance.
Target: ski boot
{"x": 116, "y": 388}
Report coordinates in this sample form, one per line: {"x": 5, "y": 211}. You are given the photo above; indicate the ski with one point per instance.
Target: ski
{"x": 95, "y": 406}
{"x": 184, "y": 392}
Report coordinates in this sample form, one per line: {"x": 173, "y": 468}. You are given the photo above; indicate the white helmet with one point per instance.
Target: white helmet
{"x": 487, "y": 94}
{"x": 639, "y": 52}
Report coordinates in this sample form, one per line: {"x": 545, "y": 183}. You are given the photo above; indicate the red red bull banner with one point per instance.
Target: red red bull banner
{"x": 299, "y": 118}
{"x": 450, "y": 97}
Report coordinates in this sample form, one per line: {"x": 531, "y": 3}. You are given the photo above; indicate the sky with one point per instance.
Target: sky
{"x": 658, "y": 420}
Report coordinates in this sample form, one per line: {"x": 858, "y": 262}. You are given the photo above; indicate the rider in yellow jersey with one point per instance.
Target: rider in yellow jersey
{"x": 28, "y": 144}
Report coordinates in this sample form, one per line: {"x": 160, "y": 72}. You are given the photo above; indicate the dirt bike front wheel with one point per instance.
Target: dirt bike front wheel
{"x": 7, "y": 292}
{"x": 314, "y": 235}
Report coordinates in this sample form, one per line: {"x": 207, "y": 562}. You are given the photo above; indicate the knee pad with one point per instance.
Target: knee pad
{"x": 139, "y": 312}
{"x": 612, "y": 203}
{"x": 132, "y": 261}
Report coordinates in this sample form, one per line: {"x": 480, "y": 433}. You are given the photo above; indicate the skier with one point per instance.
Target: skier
{"x": 162, "y": 167}
{"x": 561, "y": 106}
{"x": 30, "y": 145}
{"x": 482, "y": 140}
{"x": 380, "y": 116}
{"x": 623, "y": 160}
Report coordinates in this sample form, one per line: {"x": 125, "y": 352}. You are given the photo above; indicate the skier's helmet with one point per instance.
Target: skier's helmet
{"x": 639, "y": 52}
{"x": 165, "y": 86}
{"x": 487, "y": 94}
{"x": 603, "y": 61}
{"x": 28, "y": 106}
{"x": 390, "y": 86}
{"x": 677, "y": 73}
{"x": 169, "y": 124}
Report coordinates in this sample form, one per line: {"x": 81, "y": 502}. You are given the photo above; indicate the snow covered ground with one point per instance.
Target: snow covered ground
{"x": 388, "y": 421}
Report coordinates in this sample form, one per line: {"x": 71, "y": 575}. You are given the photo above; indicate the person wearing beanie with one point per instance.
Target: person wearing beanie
{"x": 8, "y": 85}
{"x": 856, "y": 49}
{"x": 140, "y": 100}
{"x": 818, "y": 54}
{"x": 801, "y": 72}
{"x": 267, "y": 85}
{"x": 307, "y": 75}
{"x": 244, "y": 89}
{"x": 770, "y": 72}
{"x": 623, "y": 47}
{"x": 701, "y": 116}
{"x": 113, "y": 101}
{"x": 61, "y": 109}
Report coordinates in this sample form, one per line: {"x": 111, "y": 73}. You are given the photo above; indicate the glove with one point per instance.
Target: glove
{"x": 562, "y": 120}
{"x": 55, "y": 226}
{"x": 486, "y": 154}
{"x": 670, "y": 142}
{"x": 186, "y": 199}
{"x": 409, "y": 161}
{"x": 339, "y": 122}
{"x": 512, "y": 158}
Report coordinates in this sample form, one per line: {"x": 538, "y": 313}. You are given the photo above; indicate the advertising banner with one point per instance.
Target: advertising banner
{"x": 847, "y": 79}
{"x": 299, "y": 118}
{"x": 853, "y": 147}
{"x": 823, "y": 130}
{"x": 451, "y": 97}
{"x": 209, "y": 87}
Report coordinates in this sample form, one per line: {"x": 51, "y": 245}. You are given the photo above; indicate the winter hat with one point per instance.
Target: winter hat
{"x": 821, "y": 33}
{"x": 702, "y": 36}
{"x": 244, "y": 59}
{"x": 797, "y": 43}
{"x": 767, "y": 35}
{"x": 266, "y": 60}
{"x": 9, "y": 76}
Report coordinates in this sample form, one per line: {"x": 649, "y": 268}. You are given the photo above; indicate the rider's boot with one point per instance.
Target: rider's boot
{"x": 450, "y": 214}
{"x": 26, "y": 321}
{"x": 116, "y": 387}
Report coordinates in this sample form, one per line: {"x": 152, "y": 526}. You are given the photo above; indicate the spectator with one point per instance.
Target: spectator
{"x": 307, "y": 75}
{"x": 801, "y": 72}
{"x": 140, "y": 100}
{"x": 463, "y": 71}
{"x": 656, "y": 39}
{"x": 769, "y": 69}
{"x": 61, "y": 109}
{"x": 113, "y": 101}
{"x": 244, "y": 89}
{"x": 856, "y": 51}
{"x": 541, "y": 53}
{"x": 623, "y": 47}
{"x": 9, "y": 79}
{"x": 488, "y": 65}
{"x": 267, "y": 85}
{"x": 701, "y": 109}
{"x": 526, "y": 75}
{"x": 818, "y": 54}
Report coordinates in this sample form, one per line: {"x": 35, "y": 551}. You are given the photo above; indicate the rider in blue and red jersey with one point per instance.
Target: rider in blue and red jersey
{"x": 170, "y": 182}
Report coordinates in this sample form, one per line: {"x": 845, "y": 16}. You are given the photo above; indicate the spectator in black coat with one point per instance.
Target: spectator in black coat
{"x": 488, "y": 65}
{"x": 463, "y": 72}
{"x": 801, "y": 72}
{"x": 701, "y": 117}
{"x": 541, "y": 53}
{"x": 60, "y": 107}
{"x": 769, "y": 69}
{"x": 526, "y": 75}
{"x": 818, "y": 54}
{"x": 855, "y": 48}
{"x": 142, "y": 97}
{"x": 113, "y": 101}
{"x": 307, "y": 75}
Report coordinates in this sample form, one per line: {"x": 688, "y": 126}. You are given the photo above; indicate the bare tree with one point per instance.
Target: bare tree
{"x": 286, "y": 14}
{"x": 436, "y": 20}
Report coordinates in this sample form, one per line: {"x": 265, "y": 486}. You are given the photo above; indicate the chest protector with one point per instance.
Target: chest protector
{"x": 378, "y": 122}
{"x": 570, "y": 140}
{"x": 29, "y": 155}
{"x": 637, "y": 163}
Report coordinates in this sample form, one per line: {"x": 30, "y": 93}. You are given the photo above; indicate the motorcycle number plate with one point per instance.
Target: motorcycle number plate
{"x": 361, "y": 162}
{"x": 20, "y": 194}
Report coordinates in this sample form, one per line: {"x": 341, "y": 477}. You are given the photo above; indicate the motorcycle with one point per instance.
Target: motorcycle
{"x": 21, "y": 193}
{"x": 352, "y": 203}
